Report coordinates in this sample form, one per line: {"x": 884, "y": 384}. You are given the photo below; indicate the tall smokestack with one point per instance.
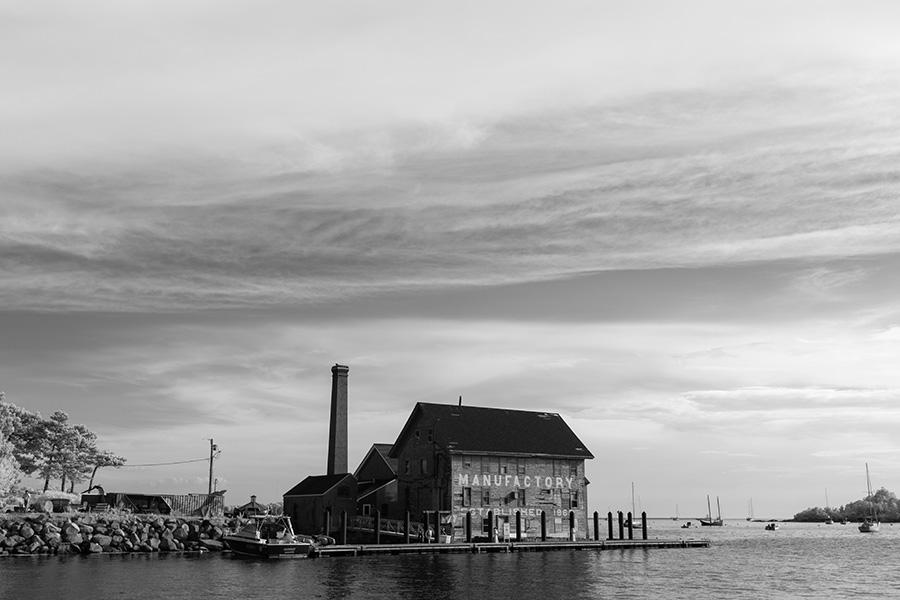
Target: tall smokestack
{"x": 337, "y": 436}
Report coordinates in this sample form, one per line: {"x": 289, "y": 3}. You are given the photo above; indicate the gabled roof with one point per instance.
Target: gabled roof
{"x": 316, "y": 485}
{"x": 479, "y": 430}
{"x": 382, "y": 451}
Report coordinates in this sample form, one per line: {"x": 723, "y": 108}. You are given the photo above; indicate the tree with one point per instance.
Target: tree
{"x": 104, "y": 458}
{"x": 9, "y": 466}
{"x": 52, "y": 447}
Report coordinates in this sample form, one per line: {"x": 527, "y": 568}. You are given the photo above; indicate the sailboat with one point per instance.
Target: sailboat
{"x": 635, "y": 519}
{"x": 750, "y": 508}
{"x": 871, "y": 524}
{"x": 709, "y": 521}
{"x": 675, "y": 518}
{"x": 829, "y": 520}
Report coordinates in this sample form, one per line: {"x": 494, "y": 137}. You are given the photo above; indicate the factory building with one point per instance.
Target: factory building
{"x": 455, "y": 459}
{"x": 450, "y": 461}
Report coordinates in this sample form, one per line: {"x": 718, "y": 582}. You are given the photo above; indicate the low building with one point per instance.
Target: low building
{"x": 309, "y": 501}
{"x": 186, "y": 505}
{"x": 252, "y": 508}
{"x": 454, "y": 460}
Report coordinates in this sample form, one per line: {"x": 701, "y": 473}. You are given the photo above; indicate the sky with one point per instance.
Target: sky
{"x": 676, "y": 224}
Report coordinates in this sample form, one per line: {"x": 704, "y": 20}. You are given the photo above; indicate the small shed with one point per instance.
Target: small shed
{"x": 251, "y": 508}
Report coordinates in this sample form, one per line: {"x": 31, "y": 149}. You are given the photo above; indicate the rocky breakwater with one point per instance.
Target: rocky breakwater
{"x": 89, "y": 534}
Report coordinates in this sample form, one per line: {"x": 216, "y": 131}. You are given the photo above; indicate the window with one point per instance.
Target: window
{"x": 467, "y": 497}
{"x": 367, "y": 510}
{"x": 406, "y": 467}
{"x": 486, "y": 526}
{"x": 416, "y": 435}
{"x": 504, "y": 467}
{"x": 423, "y": 466}
{"x": 521, "y": 466}
{"x": 573, "y": 469}
{"x": 430, "y": 435}
{"x": 467, "y": 462}
{"x": 520, "y": 497}
{"x": 485, "y": 497}
{"x": 565, "y": 501}
{"x": 574, "y": 499}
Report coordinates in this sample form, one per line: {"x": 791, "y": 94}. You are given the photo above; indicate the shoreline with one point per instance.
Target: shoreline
{"x": 36, "y": 534}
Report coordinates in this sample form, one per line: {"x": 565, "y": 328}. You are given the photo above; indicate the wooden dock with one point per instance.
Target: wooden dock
{"x": 501, "y": 547}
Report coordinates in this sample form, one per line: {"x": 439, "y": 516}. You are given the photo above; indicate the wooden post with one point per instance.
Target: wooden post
{"x": 621, "y": 526}
{"x": 571, "y": 525}
{"x": 644, "y": 524}
{"x": 543, "y": 526}
{"x": 468, "y": 528}
{"x": 344, "y": 527}
{"x": 609, "y": 525}
{"x": 490, "y": 526}
{"x": 596, "y": 526}
{"x": 427, "y": 526}
{"x": 406, "y": 529}
{"x": 377, "y": 527}
{"x": 630, "y": 526}
{"x": 518, "y": 525}
{"x": 327, "y": 528}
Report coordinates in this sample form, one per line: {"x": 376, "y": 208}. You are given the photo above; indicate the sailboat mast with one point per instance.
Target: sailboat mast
{"x": 632, "y": 500}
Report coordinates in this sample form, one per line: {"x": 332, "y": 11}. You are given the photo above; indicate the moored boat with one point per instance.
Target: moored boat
{"x": 268, "y": 536}
{"x": 709, "y": 521}
{"x": 772, "y": 526}
{"x": 870, "y": 524}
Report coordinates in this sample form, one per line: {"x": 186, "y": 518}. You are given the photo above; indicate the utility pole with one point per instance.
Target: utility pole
{"x": 212, "y": 449}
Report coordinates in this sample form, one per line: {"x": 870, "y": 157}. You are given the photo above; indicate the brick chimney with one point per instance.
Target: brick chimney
{"x": 337, "y": 435}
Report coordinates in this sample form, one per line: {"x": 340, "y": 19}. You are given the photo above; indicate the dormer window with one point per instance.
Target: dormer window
{"x": 430, "y": 435}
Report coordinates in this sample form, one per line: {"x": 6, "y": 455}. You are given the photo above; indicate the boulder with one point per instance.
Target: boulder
{"x": 104, "y": 541}
{"x": 212, "y": 545}
{"x": 93, "y": 548}
{"x": 168, "y": 545}
{"x": 26, "y": 531}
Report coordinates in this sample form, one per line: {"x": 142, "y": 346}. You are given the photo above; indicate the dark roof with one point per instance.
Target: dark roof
{"x": 316, "y": 485}
{"x": 253, "y": 504}
{"x": 478, "y": 430}
{"x": 385, "y": 451}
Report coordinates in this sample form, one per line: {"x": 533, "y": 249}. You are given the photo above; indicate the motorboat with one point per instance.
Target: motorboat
{"x": 268, "y": 536}
{"x": 687, "y": 525}
{"x": 772, "y": 526}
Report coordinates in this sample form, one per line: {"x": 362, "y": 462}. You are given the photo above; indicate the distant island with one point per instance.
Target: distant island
{"x": 887, "y": 507}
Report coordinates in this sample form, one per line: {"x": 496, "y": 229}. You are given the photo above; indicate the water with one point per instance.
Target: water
{"x": 744, "y": 562}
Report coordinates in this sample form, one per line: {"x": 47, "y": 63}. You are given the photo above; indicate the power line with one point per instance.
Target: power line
{"x": 181, "y": 462}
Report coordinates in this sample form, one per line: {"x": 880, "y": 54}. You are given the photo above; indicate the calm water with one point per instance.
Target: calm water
{"x": 744, "y": 561}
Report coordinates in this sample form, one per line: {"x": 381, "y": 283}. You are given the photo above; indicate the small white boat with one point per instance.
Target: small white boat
{"x": 268, "y": 536}
{"x": 870, "y": 524}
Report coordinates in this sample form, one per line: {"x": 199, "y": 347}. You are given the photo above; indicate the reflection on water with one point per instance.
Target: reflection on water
{"x": 745, "y": 562}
